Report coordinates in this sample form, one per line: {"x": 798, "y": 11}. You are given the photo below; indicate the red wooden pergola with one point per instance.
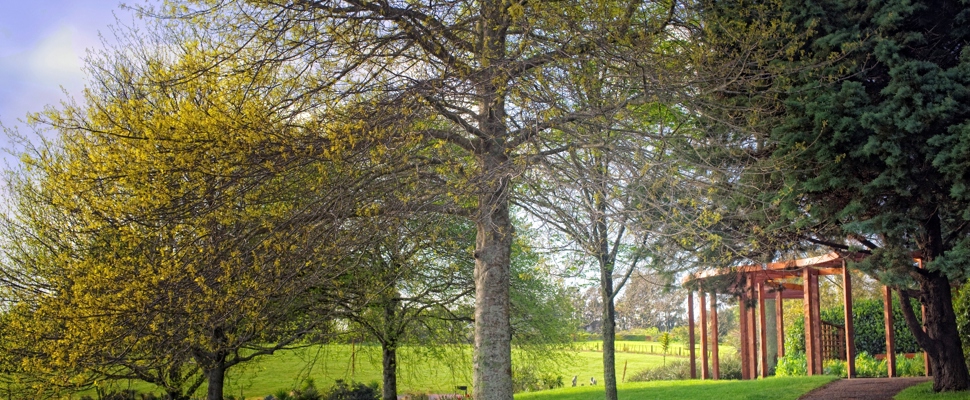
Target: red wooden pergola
{"x": 754, "y": 284}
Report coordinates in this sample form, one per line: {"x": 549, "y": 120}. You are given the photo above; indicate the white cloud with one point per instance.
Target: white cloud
{"x": 55, "y": 60}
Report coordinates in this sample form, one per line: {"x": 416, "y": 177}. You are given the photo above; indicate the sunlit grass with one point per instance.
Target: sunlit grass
{"x": 924, "y": 391}
{"x": 417, "y": 372}
{"x": 783, "y": 388}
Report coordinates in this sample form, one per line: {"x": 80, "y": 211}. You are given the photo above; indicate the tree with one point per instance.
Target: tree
{"x": 417, "y": 289}
{"x": 417, "y": 278}
{"x": 649, "y": 301}
{"x": 488, "y": 74}
{"x": 868, "y": 149}
{"x": 599, "y": 198}
{"x": 149, "y": 244}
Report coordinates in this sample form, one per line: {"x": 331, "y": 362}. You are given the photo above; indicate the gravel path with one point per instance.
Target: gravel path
{"x": 863, "y": 389}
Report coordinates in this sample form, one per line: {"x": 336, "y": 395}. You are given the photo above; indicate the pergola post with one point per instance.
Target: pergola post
{"x": 887, "y": 294}
{"x": 763, "y": 336}
{"x": 780, "y": 322}
{"x": 752, "y": 331}
{"x": 704, "y": 370}
{"x": 813, "y": 330}
{"x": 715, "y": 364}
{"x": 690, "y": 334}
{"x": 849, "y": 328}
{"x": 743, "y": 327}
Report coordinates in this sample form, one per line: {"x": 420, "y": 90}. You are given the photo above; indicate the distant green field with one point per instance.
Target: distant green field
{"x": 784, "y": 388}
{"x": 643, "y": 347}
{"x": 417, "y": 373}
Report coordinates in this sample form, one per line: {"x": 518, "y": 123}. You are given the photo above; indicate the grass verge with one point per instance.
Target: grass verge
{"x": 924, "y": 391}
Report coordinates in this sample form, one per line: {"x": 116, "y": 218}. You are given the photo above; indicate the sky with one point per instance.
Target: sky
{"x": 42, "y": 46}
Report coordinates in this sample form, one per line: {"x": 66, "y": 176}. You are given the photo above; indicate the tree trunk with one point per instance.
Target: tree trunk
{"x": 216, "y": 378}
{"x": 493, "y": 332}
{"x": 390, "y": 371}
{"x": 609, "y": 332}
{"x": 941, "y": 341}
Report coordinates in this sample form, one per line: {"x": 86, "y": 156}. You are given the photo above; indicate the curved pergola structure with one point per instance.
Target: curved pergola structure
{"x": 758, "y": 284}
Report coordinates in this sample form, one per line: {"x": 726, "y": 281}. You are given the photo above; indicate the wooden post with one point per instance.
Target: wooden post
{"x": 752, "y": 332}
{"x": 780, "y": 321}
{"x": 813, "y": 329}
{"x": 715, "y": 367}
{"x": 807, "y": 308}
{"x": 890, "y": 339}
{"x": 849, "y": 328}
{"x": 704, "y": 370}
{"x": 816, "y": 323}
{"x": 763, "y": 337}
{"x": 690, "y": 334}
{"x": 743, "y": 328}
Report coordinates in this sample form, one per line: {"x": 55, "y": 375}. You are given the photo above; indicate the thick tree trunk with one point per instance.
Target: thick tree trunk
{"x": 390, "y": 371}
{"x": 609, "y": 332}
{"x": 941, "y": 341}
{"x": 216, "y": 378}
{"x": 493, "y": 332}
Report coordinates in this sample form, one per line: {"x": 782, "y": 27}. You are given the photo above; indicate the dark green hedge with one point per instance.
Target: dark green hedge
{"x": 870, "y": 334}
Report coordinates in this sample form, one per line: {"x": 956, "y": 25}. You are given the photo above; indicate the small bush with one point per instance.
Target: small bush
{"x": 528, "y": 380}
{"x": 674, "y": 370}
{"x": 835, "y": 367}
{"x": 910, "y": 366}
{"x": 281, "y": 394}
{"x": 730, "y": 367}
{"x": 867, "y": 366}
{"x": 793, "y": 364}
{"x": 352, "y": 391}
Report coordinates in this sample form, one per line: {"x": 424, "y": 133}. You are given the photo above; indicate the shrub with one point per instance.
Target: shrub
{"x": 674, "y": 370}
{"x": 961, "y": 306}
{"x": 792, "y": 364}
{"x": 867, "y": 366}
{"x": 529, "y": 380}
{"x": 730, "y": 367}
{"x": 835, "y": 367}
{"x": 353, "y": 391}
{"x": 910, "y": 366}
{"x": 870, "y": 331}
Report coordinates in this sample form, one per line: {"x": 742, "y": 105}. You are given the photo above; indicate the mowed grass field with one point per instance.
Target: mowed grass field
{"x": 417, "y": 371}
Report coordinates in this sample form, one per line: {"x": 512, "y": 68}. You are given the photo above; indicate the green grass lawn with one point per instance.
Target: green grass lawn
{"x": 417, "y": 373}
{"x": 784, "y": 388}
{"x": 326, "y": 364}
{"x": 924, "y": 391}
